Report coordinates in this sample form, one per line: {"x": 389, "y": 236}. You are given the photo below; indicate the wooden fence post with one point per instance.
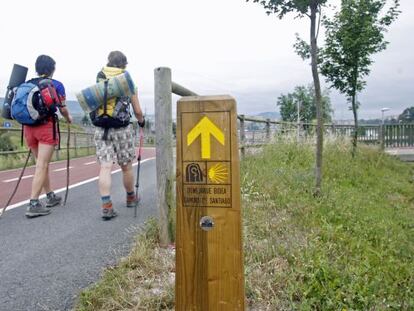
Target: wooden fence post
{"x": 87, "y": 143}
{"x": 164, "y": 151}
{"x": 268, "y": 130}
{"x": 209, "y": 258}
{"x": 298, "y": 131}
{"x": 57, "y": 157}
{"x": 242, "y": 136}
{"x": 75, "y": 144}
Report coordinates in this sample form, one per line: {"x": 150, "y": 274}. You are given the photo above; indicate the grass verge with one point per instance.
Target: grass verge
{"x": 142, "y": 281}
{"x": 350, "y": 249}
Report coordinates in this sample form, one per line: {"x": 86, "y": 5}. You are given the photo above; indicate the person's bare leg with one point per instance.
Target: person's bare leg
{"x": 46, "y": 184}
{"x": 128, "y": 177}
{"x": 105, "y": 179}
{"x": 44, "y": 154}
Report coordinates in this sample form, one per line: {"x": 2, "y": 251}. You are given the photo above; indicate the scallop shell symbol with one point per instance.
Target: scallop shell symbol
{"x": 218, "y": 173}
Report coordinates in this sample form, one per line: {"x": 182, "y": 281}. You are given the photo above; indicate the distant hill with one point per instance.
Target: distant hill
{"x": 273, "y": 115}
{"x": 74, "y": 108}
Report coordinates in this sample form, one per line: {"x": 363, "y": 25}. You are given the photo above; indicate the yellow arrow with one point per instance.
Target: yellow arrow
{"x": 205, "y": 128}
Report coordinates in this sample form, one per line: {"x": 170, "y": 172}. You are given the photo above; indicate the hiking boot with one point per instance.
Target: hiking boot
{"x": 53, "y": 200}
{"x": 37, "y": 210}
{"x": 132, "y": 200}
{"x": 108, "y": 212}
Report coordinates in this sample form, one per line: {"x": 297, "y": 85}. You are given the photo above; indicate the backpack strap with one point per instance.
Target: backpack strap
{"x": 105, "y": 97}
{"x": 105, "y": 134}
{"x": 101, "y": 76}
{"x": 21, "y": 138}
{"x": 56, "y": 129}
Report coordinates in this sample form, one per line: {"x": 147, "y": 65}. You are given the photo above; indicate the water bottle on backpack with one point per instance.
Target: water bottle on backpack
{"x": 17, "y": 77}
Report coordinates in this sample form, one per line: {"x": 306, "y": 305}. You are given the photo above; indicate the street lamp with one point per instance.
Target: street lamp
{"x": 382, "y": 133}
{"x": 298, "y": 119}
{"x": 382, "y": 113}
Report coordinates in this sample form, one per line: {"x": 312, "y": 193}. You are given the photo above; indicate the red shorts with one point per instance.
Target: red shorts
{"x": 40, "y": 134}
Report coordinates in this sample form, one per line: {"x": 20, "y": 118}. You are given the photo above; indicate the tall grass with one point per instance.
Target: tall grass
{"x": 350, "y": 249}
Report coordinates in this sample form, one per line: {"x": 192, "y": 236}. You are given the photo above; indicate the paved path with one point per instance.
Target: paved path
{"x": 405, "y": 154}
{"x": 46, "y": 261}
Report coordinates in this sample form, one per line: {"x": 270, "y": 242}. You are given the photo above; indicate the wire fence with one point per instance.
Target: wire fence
{"x": 255, "y": 132}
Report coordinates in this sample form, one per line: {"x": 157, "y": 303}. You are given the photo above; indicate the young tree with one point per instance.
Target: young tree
{"x": 303, "y": 98}
{"x": 311, "y": 9}
{"x": 353, "y": 35}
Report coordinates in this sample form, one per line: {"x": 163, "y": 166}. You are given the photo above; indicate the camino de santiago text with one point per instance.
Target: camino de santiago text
{"x": 208, "y": 196}
{"x": 205, "y": 201}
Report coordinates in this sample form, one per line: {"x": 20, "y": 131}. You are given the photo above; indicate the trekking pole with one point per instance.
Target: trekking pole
{"x": 141, "y": 139}
{"x": 18, "y": 183}
{"x": 67, "y": 166}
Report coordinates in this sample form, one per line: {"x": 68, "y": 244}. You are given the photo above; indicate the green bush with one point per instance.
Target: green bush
{"x": 6, "y": 143}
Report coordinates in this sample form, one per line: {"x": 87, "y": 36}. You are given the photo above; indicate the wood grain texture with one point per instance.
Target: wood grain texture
{"x": 209, "y": 264}
{"x": 164, "y": 149}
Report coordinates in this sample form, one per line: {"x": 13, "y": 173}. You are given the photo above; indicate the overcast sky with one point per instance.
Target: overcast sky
{"x": 213, "y": 47}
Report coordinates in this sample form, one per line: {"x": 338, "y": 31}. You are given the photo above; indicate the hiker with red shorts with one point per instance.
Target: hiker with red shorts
{"x": 42, "y": 139}
{"x": 114, "y": 137}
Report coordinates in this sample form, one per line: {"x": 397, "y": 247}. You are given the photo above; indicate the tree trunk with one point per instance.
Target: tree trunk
{"x": 318, "y": 98}
{"x": 355, "y": 106}
{"x": 355, "y": 136}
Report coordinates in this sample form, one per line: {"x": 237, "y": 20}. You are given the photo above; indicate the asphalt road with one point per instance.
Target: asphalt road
{"x": 46, "y": 261}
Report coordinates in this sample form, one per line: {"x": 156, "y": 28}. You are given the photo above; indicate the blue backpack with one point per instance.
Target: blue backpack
{"x": 34, "y": 103}
{"x": 28, "y": 106}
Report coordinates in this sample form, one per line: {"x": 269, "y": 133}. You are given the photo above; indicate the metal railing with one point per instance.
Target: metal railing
{"x": 387, "y": 135}
{"x": 253, "y": 136}
{"x": 398, "y": 135}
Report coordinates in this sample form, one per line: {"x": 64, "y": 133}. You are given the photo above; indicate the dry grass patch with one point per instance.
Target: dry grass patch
{"x": 142, "y": 281}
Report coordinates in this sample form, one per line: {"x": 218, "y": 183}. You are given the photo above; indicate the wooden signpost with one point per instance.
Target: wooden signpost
{"x": 209, "y": 256}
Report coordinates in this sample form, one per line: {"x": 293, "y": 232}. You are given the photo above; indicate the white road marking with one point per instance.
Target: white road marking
{"x": 62, "y": 169}
{"x": 89, "y": 163}
{"x": 73, "y": 186}
{"x": 16, "y": 179}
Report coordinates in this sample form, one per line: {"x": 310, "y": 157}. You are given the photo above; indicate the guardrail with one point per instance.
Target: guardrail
{"x": 387, "y": 135}
{"x": 399, "y": 135}
{"x": 78, "y": 140}
{"x": 251, "y": 137}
